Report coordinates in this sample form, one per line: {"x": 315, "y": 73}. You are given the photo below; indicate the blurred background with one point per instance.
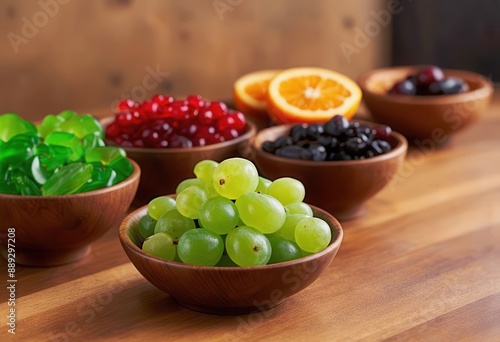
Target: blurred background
{"x": 86, "y": 55}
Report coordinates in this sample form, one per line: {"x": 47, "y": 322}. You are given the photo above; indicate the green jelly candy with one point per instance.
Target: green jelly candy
{"x": 68, "y": 179}
{"x": 11, "y": 124}
{"x": 66, "y": 114}
{"x": 53, "y": 156}
{"x": 92, "y": 140}
{"x": 49, "y": 124}
{"x": 24, "y": 184}
{"x": 102, "y": 177}
{"x": 104, "y": 155}
{"x": 28, "y": 138}
{"x": 82, "y": 125}
{"x": 7, "y": 186}
{"x": 123, "y": 168}
{"x": 39, "y": 173}
{"x": 15, "y": 153}
{"x": 68, "y": 140}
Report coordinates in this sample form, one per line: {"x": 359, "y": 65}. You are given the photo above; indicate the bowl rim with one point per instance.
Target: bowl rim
{"x": 126, "y": 242}
{"x": 251, "y": 130}
{"x": 136, "y": 173}
{"x": 485, "y": 89}
{"x": 400, "y": 148}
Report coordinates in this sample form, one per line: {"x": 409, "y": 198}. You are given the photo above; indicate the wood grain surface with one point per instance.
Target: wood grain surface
{"x": 422, "y": 265}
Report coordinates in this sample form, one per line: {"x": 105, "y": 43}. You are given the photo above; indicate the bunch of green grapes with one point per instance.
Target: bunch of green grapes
{"x": 227, "y": 215}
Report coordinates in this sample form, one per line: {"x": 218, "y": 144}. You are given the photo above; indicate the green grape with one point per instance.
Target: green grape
{"x": 287, "y": 230}
{"x": 161, "y": 245}
{"x": 186, "y": 183}
{"x": 287, "y": 190}
{"x": 283, "y": 250}
{"x": 160, "y": 205}
{"x": 263, "y": 185}
{"x": 174, "y": 224}
{"x": 248, "y": 247}
{"x": 262, "y": 212}
{"x": 219, "y": 215}
{"x": 200, "y": 247}
{"x": 234, "y": 177}
{"x": 204, "y": 170}
{"x": 146, "y": 226}
{"x": 299, "y": 208}
{"x": 190, "y": 200}
{"x": 312, "y": 234}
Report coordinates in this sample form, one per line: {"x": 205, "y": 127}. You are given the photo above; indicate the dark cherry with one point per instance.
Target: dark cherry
{"x": 404, "y": 87}
{"x": 429, "y": 75}
{"x": 448, "y": 86}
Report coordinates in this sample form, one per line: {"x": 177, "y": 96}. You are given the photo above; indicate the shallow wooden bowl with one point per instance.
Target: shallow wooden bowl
{"x": 162, "y": 169}
{"x": 340, "y": 187}
{"x": 228, "y": 290}
{"x": 55, "y": 230}
{"x": 420, "y": 118}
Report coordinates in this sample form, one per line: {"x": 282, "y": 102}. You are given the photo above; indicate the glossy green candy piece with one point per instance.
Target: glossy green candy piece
{"x": 67, "y": 140}
{"x": 67, "y": 114}
{"x": 16, "y": 152}
{"x": 49, "y": 124}
{"x": 105, "y": 155}
{"x": 102, "y": 177}
{"x": 53, "y": 156}
{"x": 7, "y": 186}
{"x": 92, "y": 140}
{"x": 82, "y": 125}
{"x": 24, "y": 184}
{"x": 11, "y": 125}
{"x": 123, "y": 169}
{"x": 68, "y": 179}
{"x": 39, "y": 173}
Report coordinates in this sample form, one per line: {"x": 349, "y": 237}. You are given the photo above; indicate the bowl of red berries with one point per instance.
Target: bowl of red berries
{"x": 341, "y": 163}
{"x": 168, "y": 136}
{"x": 425, "y": 103}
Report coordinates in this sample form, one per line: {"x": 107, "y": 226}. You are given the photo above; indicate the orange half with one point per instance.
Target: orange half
{"x": 311, "y": 95}
{"x": 250, "y": 92}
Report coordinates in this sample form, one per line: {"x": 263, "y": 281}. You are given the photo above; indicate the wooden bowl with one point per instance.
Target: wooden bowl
{"x": 228, "y": 290}
{"x": 420, "y": 118}
{"x": 55, "y": 230}
{"x": 162, "y": 169}
{"x": 339, "y": 187}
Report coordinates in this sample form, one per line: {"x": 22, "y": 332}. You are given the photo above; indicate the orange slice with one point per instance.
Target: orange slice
{"x": 250, "y": 92}
{"x": 311, "y": 95}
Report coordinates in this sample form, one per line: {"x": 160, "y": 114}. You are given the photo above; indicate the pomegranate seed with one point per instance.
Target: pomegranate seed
{"x": 219, "y": 109}
{"x": 205, "y": 116}
{"x": 235, "y": 120}
{"x": 112, "y": 130}
{"x": 195, "y": 101}
{"x": 126, "y": 104}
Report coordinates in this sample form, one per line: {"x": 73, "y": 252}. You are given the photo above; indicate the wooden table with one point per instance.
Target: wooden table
{"x": 422, "y": 265}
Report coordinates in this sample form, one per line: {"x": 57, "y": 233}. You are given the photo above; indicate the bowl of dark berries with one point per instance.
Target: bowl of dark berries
{"x": 342, "y": 164}
{"x": 425, "y": 102}
{"x": 61, "y": 188}
{"x": 231, "y": 241}
{"x": 168, "y": 136}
